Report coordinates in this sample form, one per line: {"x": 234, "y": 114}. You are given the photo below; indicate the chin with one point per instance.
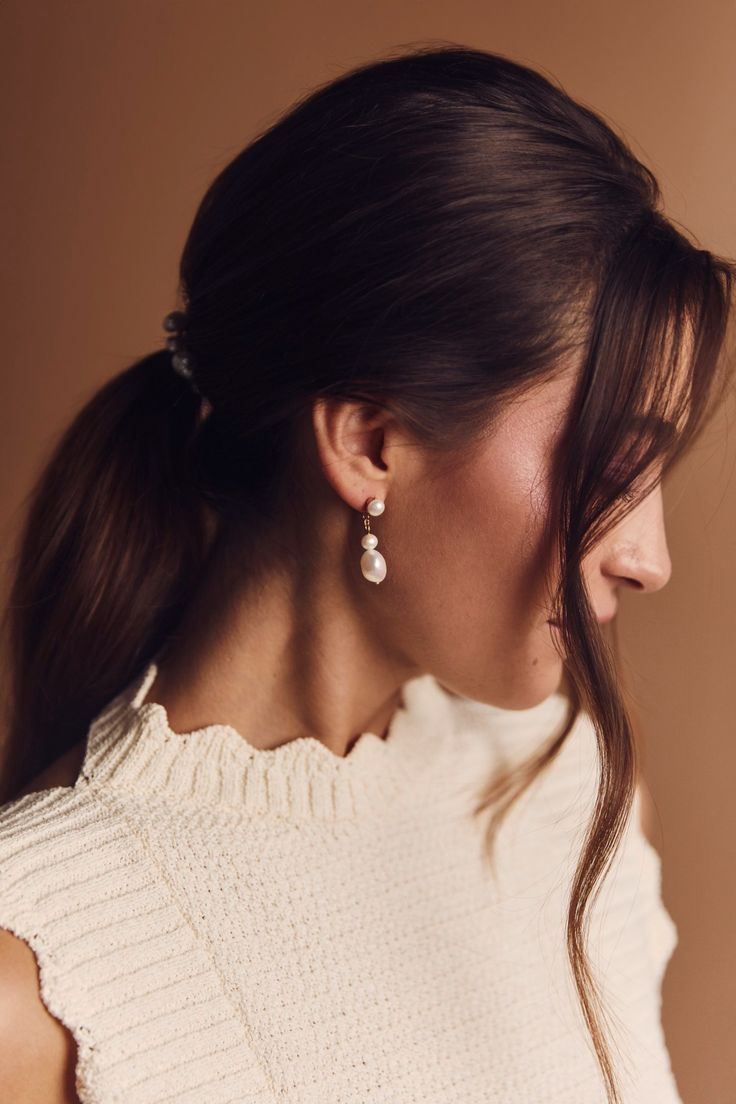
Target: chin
{"x": 543, "y": 678}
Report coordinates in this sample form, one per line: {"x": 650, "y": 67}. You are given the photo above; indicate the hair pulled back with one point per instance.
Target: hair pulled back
{"x": 433, "y": 232}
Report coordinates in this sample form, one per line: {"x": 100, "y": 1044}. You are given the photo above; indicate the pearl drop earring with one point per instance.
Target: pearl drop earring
{"x": 372, "y": 563}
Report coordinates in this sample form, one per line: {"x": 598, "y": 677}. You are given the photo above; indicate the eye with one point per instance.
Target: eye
{"x": 622, "y": 470}
{"x": 618, "y": 473}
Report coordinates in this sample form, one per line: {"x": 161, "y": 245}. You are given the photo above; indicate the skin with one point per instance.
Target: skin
{"x": 300, "y": 644}
{"x": 290, "y": 640}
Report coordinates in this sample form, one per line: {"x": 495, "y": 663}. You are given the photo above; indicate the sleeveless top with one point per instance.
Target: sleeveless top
{"x": 217, "y": 923}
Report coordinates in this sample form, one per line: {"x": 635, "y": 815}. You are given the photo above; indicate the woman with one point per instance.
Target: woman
{"x": 306, "y": 798}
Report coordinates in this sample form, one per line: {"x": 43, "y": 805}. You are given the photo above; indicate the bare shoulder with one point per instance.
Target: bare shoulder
{"x": 37, "y": 1052}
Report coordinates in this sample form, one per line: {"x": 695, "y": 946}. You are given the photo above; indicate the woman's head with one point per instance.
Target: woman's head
{"x": 448, "y": 244}
{"x": 465, "y": 534}
{"x": 448, "y": 237}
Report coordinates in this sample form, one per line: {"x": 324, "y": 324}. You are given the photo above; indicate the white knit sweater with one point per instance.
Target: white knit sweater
{"x": 221, "y": 924}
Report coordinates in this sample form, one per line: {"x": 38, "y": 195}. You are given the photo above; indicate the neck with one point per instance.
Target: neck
{"x": 288, "y": 651}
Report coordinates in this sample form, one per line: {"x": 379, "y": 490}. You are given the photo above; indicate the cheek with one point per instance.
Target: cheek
{"x": 476, "y": 551}
{"x": 469, "y": 580}
{"x": 505, "y": 503}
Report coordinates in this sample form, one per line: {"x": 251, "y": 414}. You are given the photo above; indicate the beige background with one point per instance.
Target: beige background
{"x": 116, "y": 115}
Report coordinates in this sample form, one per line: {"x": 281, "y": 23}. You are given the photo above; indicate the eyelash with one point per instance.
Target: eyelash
{"x": 622, "y": 471}
{"x": 627, "y": 496}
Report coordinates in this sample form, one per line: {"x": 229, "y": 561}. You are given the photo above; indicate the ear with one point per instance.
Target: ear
{"x": 350, "y": 439}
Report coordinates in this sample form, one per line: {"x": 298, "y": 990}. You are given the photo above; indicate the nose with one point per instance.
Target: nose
{"x": 637, "y": 554}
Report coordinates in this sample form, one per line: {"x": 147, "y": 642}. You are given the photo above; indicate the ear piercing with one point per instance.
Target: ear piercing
{"x": 372, "y": 563}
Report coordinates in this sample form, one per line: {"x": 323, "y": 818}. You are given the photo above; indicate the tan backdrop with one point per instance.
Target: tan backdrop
{"x": 117, "y": 115}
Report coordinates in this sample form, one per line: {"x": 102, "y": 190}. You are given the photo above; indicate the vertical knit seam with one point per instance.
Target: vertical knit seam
{"x": 114, "y": 805}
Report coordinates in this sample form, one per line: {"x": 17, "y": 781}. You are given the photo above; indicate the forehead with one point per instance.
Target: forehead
{"x": 663, "y": 392}
{"x": 662, "y": 404}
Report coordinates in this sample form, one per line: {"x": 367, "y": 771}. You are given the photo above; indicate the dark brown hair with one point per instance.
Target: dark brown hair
{"x": 434, "y": 232}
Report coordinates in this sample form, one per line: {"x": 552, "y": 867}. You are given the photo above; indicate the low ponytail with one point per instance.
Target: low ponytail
{"x": 114, "y": 538}
{"x": 434, "y": 233}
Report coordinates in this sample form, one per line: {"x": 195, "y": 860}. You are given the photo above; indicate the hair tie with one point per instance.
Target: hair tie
{"x": 175, "y": 323}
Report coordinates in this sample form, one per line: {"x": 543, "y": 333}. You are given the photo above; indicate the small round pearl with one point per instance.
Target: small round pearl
{"x": 373, "y": 566}
{"x": 370, "y": 540}
{"x": 376, "y": 507}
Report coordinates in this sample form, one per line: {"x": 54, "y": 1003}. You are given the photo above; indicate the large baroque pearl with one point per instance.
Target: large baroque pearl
{"x": 373, "y": 565}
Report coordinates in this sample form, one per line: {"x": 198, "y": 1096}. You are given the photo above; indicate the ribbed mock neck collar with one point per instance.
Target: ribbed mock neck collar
{"x": 131, "y": 746}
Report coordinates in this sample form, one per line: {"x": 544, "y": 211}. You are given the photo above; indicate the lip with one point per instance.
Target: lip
{"x": 602, "y": 620}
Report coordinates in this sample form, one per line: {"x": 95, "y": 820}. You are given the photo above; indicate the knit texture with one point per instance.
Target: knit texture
{"x": 217, "y": 923}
